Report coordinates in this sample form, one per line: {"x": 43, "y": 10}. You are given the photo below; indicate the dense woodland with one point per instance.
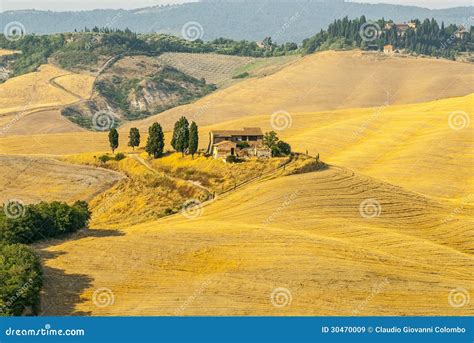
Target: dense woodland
{"x": 71, "y": 49}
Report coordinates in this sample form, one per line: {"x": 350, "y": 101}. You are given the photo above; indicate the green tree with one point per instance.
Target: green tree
{"x": 283, "y": 148}
{"x": 134, "y": 138}
{"x": 270, "y": 139}
{"x": 180, "y": 141}
{"x": 193, "y": 139}
{"x": 113, "y": 139}
{"x": 156, "y": 141}
{"x": 21, "y": 280}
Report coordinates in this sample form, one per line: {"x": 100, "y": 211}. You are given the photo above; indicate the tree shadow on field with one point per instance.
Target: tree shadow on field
{"x": 61, "y": 292}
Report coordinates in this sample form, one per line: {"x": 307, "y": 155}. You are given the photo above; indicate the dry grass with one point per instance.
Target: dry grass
{"x": 143, "y": 196}
{"x": 78, "y": 84}
{"x": 215, "y": 174}
{"x": 301, "y": 232}
{"x": 154, "y": 187}
{"x": 42, "y": 121}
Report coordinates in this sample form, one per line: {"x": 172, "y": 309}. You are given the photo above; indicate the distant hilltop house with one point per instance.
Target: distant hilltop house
{"x": 244, "y": 143}
{"x": 461, "y": 32}
{"x": 401, "y": 28}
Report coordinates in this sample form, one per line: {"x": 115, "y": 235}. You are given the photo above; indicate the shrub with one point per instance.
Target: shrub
{"x": 21, "y": 280}
{"x": 168, "y": 211}
{"x": 119, "y": 156}
{"x": 104, "y": 158}
{"x": 243, "y": 145}
{"x": 283, "y": 148}
{"x": 241, "y": 75}
{"x": 232, "y": 159}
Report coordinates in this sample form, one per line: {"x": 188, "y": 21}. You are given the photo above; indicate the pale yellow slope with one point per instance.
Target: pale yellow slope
{"x": 40, "y": 121}
{"x": 330, "y": 80}
{"x": 78, "y": 84}
{"x": 4, "y": 52}
{"x": 34, "y": 179}
{"x": 27, "y": 101}
{"x": 304, "y": 233}
{"x": 32, "y": 90}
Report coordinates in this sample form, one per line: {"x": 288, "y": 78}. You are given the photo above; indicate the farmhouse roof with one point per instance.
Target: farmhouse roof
{"x": 246, "y": 131}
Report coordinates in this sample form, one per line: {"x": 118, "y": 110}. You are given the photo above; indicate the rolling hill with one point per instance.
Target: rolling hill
{"x": 386, "y": 229}
{"x": 34, "y": 179}
{"x": 427, "y": 147}
{"x": 327, "y": 81}
{"x": 309, "y": 236}
{"x": 31, "y": 103}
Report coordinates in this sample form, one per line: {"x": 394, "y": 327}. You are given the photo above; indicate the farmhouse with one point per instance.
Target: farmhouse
{"x": 401, "y": 28}
{"x": 247, "y": 142}
{"x": 461, "y": 32}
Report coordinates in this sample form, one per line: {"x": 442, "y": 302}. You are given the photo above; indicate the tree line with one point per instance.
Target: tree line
{"x": 185, "y": 138}
{"x": 85, "y": 48}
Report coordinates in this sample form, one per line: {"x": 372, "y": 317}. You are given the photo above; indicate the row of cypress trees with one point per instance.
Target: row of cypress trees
{"x": 185, "y": 138}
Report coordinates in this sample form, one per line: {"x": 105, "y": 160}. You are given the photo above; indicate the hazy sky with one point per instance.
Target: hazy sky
{"x": 422, "y": 3}
{"x": 74, "y": 5}
{"x": 77, "y": 5}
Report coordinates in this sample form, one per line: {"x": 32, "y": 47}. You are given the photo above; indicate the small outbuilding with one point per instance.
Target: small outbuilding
{"x": 388, "y": 49}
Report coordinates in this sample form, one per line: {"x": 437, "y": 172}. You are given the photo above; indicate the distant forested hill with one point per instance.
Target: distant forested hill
{"x": 252, "y": 20}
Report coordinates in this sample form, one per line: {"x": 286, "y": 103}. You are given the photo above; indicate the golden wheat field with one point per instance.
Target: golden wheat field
{"x": 384, "y": 229}
{"x": 392, "y": 143}
{"x": 31, "y": 103}
{"x": 427, "y": 147}
{"x": 302, "y": 232}
{"x": 34, "y": 179}
{"x": 35, "y": 90}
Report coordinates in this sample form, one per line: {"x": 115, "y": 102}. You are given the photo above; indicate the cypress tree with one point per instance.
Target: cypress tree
{"x": 180, "y": 141}
{"x": 193, "y": 139}
{"x": 113, "y": 139}
{"x": 156, "y": 142}
{"x": 134, "y": 138}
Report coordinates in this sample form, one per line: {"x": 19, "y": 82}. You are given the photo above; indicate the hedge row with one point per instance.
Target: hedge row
{"x": 43, "y": 220}
{"x": 20, "y": 268}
